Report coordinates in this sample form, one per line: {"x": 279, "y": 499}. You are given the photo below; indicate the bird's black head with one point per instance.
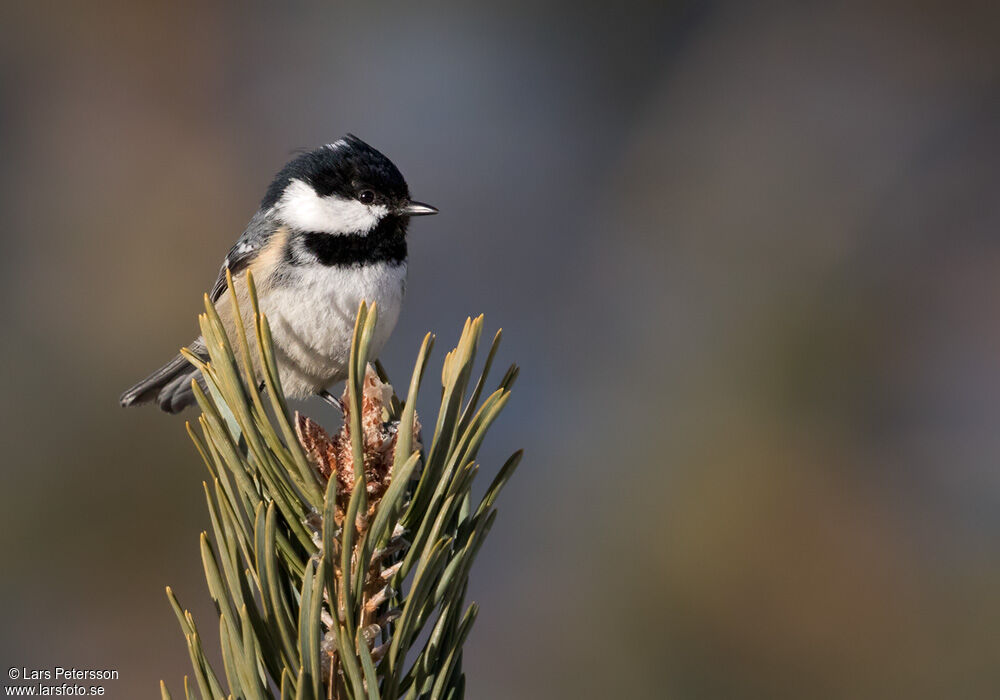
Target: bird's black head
{"x": 346, "y": 187}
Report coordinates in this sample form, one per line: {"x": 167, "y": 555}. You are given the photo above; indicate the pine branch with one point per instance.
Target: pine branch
{"x": 329, "y": 556}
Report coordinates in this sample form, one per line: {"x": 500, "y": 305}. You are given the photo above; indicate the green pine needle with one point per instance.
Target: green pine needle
{"x": 322, "y": 593}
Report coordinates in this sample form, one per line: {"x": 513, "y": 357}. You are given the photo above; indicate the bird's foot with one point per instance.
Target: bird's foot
{"x": 332, "y": 400}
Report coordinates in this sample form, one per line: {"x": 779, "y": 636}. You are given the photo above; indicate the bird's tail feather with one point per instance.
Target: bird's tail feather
{"x": 169, "y": 386}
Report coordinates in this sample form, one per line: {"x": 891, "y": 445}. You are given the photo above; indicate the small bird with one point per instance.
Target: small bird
{"x": 330, "y": 232}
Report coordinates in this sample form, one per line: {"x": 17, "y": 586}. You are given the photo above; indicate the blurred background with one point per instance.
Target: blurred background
{"x": 747, "y": 255}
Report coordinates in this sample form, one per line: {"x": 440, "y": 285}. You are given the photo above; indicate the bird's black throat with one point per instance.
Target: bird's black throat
{"x": 386, "y": 243}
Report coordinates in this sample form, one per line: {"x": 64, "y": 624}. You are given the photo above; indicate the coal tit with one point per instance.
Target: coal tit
{"x": 330, "y": 232}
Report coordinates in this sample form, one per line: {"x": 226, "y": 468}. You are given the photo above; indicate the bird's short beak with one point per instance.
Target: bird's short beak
{"x": 412, "y": 208}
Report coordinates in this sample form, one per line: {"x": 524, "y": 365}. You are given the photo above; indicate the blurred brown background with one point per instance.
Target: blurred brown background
{"x": 747, "y": 255}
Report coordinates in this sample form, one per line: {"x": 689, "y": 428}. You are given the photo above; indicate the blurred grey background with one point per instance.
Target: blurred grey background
{"x": 746, "y": 253}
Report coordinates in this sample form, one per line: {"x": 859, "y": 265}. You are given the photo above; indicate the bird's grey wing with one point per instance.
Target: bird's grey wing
{"x": 254, "y": 238}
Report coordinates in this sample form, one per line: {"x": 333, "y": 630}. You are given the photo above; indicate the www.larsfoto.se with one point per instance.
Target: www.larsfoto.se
{"x": 42, "y": 690}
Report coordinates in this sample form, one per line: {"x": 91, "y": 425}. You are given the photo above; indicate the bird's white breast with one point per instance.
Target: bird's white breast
{"x": 312, "y": 319}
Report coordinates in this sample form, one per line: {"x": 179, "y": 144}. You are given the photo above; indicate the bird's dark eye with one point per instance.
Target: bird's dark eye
{"x": 366, "y": 196}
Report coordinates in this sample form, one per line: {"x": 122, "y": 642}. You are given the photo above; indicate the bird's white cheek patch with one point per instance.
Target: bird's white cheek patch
{"x": 303, "y": 209}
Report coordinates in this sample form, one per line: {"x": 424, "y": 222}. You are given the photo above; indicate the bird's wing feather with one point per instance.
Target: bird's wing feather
{"x": 258, "y": 232}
